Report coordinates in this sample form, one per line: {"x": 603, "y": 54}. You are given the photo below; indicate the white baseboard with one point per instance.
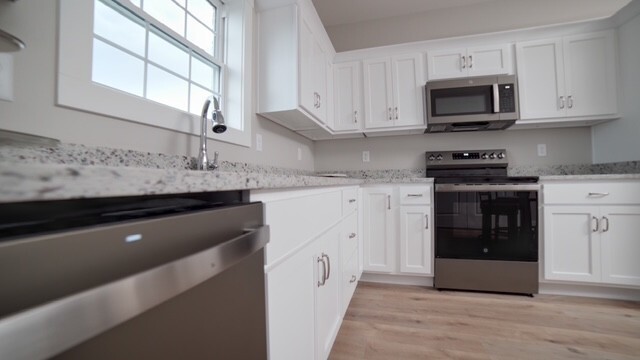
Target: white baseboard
{"x": 398, "y": 279}
{"x": 593, "y": 291}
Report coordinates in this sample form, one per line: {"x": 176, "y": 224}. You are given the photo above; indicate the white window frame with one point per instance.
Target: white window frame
{"x": 77, "y": 90}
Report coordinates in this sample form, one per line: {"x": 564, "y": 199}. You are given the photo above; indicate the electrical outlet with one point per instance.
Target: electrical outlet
{"x": 258, "y": 142}
{"x": 6, "y": 77}
{"x": 365, "y": 156}
{"x": 299, "y": 154}
{"x": 542, "y": 150}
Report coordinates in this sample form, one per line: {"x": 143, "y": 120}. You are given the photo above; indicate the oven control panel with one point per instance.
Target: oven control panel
{"x": 490, "y": 157}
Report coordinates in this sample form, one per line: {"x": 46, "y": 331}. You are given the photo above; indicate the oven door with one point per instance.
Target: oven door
{"x": 487, "y": 222}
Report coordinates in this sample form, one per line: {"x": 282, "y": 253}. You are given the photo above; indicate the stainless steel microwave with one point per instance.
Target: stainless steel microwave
{"x": 472, "y": 104}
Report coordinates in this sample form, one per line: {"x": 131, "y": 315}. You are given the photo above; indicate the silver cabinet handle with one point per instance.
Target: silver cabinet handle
{"x": 570, "y": 101}
{"x": 328, "y": 265}
{"x": 388, "y": 202}
{"x": 591, "y": 194}
{"x": 470, "y": 61}
{"x": 390, "y": 114}
{"x": 319, "y": 101}
{"x": 351, "y": 201}
{"x": 353, "y": 279}
{"x": 352, "y": 235}
{"x": 324, "y": 271}
{"x": 464, "y": 62}
{"x": 414, "y": 195}
{"x": 605, "y": 227}
{"x": 355, "y": 116}
{"x": 595, "y": 221}
{"x": 396, "y": 113}
{"x": 561, "y": 102}
{"x": 426, "y": 221}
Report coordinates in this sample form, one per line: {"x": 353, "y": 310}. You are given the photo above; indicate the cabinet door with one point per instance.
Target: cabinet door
{"x": 571, "y": 243}
{"x": 620, "y": 241}
{"x": 590, "y": 74}
{"x": 328, "y": 300}
{"x": 320, "y": 81}
{"x": 347, "y": 96}
{"x": 416, "y": 240}
{"x": 408, "y": 81}
{"x": 308, "y": 94}
{"x": 489, "y": 60}
{"x": 290, "y": 303}
{"x": 541, "y": 79}
{"x": 444, "y": 64}
{"x": 378, "y": 95}
{"x": 378, "y": 230}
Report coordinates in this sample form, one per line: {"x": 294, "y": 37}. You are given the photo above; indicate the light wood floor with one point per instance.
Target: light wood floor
{"x": 410, "y": 322}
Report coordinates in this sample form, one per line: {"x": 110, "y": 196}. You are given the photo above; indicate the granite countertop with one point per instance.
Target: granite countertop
{"x": 68, "y": 171}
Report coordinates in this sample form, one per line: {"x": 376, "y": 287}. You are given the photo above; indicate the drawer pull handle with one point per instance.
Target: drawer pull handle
{"x": 351, "y": 201}
{"x": 352, "y": 235}
{"x": 415, "y": 195}
{"x": 426, "y": 221}
{"x": 324, "y": 271}
{"x": 353, "y": 279}
{"x": 605, "y": 227}
{"x": 388, "y": 202}
{"x": 595, "y": 221}
{"x": 598, "y": 193}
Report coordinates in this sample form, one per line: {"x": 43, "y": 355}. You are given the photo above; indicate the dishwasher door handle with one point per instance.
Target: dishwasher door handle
{"x": 26, "y": 335}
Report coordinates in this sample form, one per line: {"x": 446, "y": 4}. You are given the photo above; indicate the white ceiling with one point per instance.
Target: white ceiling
{"x": 338, "y": 12}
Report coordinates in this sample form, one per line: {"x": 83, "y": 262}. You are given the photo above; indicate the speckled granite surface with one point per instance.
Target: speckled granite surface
{"x": 73, "y": 171}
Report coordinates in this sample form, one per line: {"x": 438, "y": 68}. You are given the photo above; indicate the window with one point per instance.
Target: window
{"x": 157, "y": 61}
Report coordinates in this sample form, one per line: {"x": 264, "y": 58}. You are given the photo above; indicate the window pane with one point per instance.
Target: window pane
{"x": 205, "y": 73}
{"x": 203, "y": 10}
{"x": 167, "y": 88}
{"x": 116, "y": 27}
{"x": 181, "y": 2}
{"x": 168, "y": 54}
{"x": 116, "y": 68}
{"x": 198, "y": 97}
{"x": 168, "y": 13}
{"x": 200, "y": 35}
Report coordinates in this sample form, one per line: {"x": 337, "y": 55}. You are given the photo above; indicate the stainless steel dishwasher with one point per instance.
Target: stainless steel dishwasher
{"x": 145, "y": 277}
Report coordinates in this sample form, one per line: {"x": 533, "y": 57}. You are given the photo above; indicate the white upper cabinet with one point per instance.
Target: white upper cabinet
{"x": 293, "y": 53}
{"x": 347, "y": 97}
{"x": 570, "y": 77}
{"x": 393, "y": 92}
{"x": 473, "y": 61}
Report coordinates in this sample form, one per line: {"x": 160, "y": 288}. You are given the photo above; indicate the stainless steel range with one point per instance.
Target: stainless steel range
{"x": 486, "y": 224}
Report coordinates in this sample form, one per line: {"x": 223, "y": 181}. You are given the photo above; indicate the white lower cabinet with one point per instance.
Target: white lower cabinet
{"x": 397, "y": 229}
{"x": 591, "y": 233}
{"x": 306, "y": 292}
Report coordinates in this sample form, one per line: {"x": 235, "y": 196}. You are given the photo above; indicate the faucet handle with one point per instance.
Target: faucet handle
{"x": 214, "y": 164}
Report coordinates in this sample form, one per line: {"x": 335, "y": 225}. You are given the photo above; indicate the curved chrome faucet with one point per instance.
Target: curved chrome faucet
{"x": 219, "y": 126}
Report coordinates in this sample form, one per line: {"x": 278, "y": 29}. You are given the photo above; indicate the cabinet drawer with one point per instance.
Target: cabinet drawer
{"x": 349, "y": 239}
{"x": 349, "y": 280}
{"x": 415, "y": 194}
{"x": 349, "y": 200}
{"x": 294, "y": 221}
{"x": 592, "y": 193}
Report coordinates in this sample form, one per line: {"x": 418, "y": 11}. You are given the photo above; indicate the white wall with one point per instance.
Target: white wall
{"x": 34, "y": 111}
{"x": 620, "y": 140}
{"x": 485, "y": 17}
{"x": 564, "y": 146}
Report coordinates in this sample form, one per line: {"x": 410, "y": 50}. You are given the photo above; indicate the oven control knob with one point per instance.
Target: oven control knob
{"x": 439, "y": 157}
{"x": 492, "y": 156}
{"x": 501, "y": 155}
{"x": 431, "y": 157}
{"x": 484, "y": 156}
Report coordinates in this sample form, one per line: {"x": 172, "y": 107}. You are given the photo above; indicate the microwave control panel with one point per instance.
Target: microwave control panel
{"x": 507, "y": 98}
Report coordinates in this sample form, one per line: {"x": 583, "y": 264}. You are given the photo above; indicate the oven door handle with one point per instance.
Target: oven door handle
{"x": 486, "y": 187}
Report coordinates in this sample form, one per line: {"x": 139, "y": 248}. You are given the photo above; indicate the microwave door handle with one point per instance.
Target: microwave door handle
{"x": 496, "y": 99}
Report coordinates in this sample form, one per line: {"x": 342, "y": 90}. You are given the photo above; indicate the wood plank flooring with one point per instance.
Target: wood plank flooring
{"x": 410, "y": 322}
